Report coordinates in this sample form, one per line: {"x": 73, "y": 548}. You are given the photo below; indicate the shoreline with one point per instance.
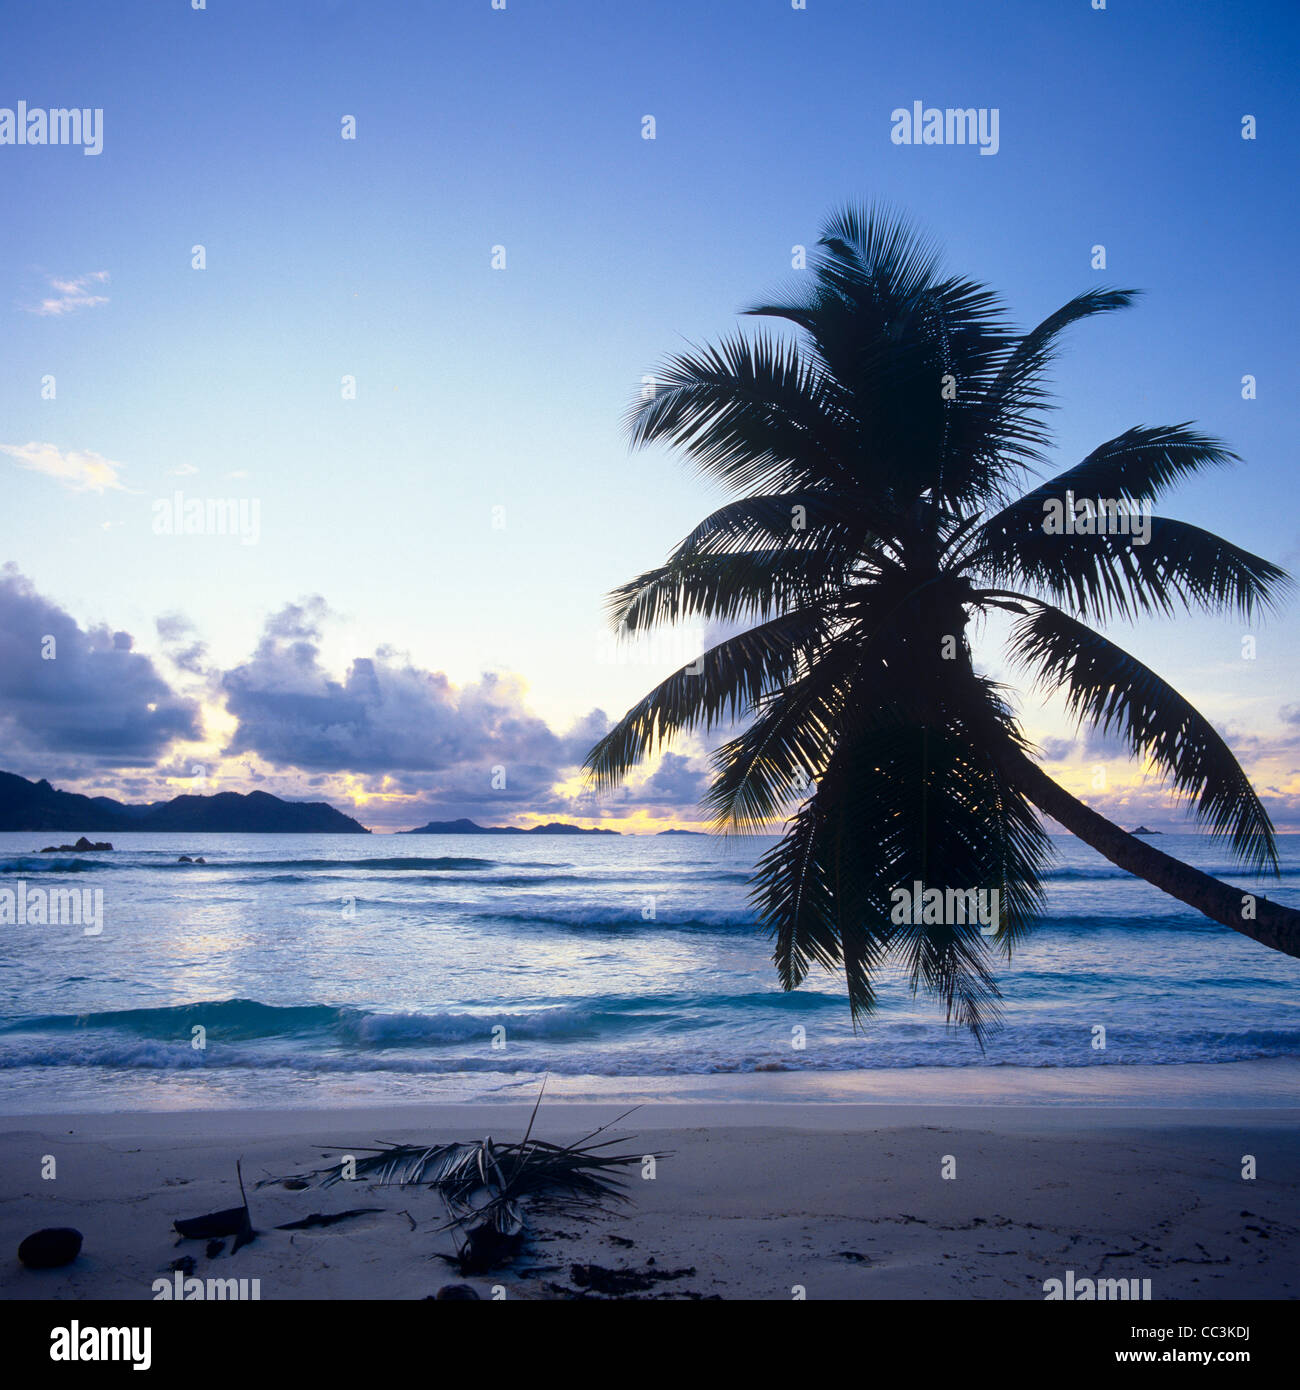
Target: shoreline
{"x": 1254, "y": 1084}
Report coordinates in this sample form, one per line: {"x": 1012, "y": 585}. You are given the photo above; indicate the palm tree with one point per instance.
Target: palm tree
{"x": 877, "y": 460}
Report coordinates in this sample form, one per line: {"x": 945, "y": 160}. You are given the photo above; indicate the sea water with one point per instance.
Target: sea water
{"x": 334, "y": 969}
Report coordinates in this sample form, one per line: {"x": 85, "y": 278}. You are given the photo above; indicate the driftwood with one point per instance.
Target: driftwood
{"x": 232, "y": 1221}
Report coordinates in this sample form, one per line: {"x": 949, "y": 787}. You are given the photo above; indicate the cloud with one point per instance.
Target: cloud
{"x": 674, "y": 785}
{"x": 70, "y": 295}
{"x": 457, "y": 750}
{"x": 83, "y": 693}
{"x": 179, "y": 642}
{"x": 78, "y": 469}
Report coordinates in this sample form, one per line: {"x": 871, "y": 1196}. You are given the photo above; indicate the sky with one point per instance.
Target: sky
{"x": 406, "y": 356}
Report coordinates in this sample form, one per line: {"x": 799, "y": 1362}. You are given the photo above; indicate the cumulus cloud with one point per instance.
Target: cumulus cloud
{"x": 78, "y": 469}
{"x": 73, "y": 692}
{"x": 180, "y": 643}
{"x": 68, "y": 295}
{"x": 459, "y": 749}
{"x": 676, "y": 785}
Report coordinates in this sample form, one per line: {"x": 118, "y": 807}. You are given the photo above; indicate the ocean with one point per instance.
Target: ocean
{"x": 310, "y": 970}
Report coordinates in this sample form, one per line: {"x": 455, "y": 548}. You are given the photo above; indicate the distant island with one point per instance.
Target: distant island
{"x": 684, "y": 832}
{"x": 28, "y": 805}
{"x": 1142, "y": 830}
{"x": 469, "y": 827}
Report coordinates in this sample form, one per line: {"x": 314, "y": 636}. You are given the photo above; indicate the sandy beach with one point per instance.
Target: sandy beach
{"x": 751, "y": 1201}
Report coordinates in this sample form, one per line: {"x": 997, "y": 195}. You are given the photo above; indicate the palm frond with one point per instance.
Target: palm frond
{"x": 1019, "y": 384}
{"x": 750, "y": 584}
{"x": 1114, "y": 691}
{"x": 489, "y": 1187}
{"x": 749, "y": 411}
{"x": 784, "y": 749}
{"x": 724, "y": 683}
{"x": 1105, "y": 576}
{"x": 898, "y": 803}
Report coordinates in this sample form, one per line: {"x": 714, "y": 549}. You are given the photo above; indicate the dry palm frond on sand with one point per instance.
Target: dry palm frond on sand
{"x": 486, "y": 1185}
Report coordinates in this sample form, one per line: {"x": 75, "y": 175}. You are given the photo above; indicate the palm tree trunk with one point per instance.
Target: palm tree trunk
{"x": 1269, "y": 923}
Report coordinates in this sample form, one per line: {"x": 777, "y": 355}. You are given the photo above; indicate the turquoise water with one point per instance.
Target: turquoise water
{"x": 327, "y": 968}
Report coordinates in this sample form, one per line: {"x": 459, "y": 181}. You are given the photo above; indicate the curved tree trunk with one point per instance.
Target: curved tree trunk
{"x": 1271, "y": 924}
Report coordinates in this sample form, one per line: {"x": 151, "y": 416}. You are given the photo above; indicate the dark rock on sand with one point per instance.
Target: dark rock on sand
{"x": 456, "y": 1293}
{"x": 51, "y": 1248}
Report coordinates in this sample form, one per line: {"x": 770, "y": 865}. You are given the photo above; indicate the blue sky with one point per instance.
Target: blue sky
{"x": 481, "y": 388}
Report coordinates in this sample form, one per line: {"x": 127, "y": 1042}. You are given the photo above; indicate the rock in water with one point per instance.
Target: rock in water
{"x": 50, "y": 1248}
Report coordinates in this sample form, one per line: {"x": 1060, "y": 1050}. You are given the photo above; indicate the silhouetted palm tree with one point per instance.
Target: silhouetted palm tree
{"x": 878, "y": 460}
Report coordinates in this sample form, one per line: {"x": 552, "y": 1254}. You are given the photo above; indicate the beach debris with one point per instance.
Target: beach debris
{"x": 50, "y": 1248}
{"x": 186, "y": 1264}
{"x": 456, "y": 1293}
{"x": 228, "y": 1222}
{"x": 600, "y": 1279}
{"x": 486, "y": 1186}
{"x": 82, "y": 844}
{"x": 320, "y": 1218}
{"x": 214, "y": 1248}
{"x": 596, "y": 1283}
{"x": 233, "y": 1221}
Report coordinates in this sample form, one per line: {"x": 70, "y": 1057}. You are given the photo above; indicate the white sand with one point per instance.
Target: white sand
{"x": 845, "y": 1200}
